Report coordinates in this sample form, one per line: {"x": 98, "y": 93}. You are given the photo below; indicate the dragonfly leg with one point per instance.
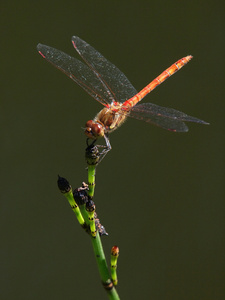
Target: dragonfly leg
{"x": 92, "y": 143}
{"x": 106, "y": 147}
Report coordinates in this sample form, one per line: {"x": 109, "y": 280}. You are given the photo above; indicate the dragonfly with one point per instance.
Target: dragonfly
{"x": 108, "y": 85}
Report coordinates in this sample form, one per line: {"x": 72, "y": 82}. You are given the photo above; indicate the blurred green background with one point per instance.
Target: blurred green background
{"x": 159, "y": 194}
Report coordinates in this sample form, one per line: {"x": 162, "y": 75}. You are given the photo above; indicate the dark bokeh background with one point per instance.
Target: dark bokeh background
{"x": 160, "y": 195}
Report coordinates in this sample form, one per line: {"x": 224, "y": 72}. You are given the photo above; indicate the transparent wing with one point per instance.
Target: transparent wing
{"x": 167, "y": 118}
{"x": 77, "y": 71}
{"x": 116, "y": 83}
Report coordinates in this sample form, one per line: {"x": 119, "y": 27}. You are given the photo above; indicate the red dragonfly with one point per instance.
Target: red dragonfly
{"x": 108, "y": 85}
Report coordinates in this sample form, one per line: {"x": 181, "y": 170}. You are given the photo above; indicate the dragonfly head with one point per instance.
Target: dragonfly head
{"x": 93, "y": 130}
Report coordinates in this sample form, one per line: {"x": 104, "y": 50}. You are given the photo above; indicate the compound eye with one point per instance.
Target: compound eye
{"x": 96, "y": 130}
{"x": 89, "y": 124}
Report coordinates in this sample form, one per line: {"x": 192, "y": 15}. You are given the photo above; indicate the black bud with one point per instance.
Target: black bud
{"x": 63, "y": 185}
{"x": 80, "y": 195}
{"x": 92, "y": 155}
{"x": 90, "y": 206}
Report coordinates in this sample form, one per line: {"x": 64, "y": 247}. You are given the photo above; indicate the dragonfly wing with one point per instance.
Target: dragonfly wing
{"x": 77, "y": 71}
{"x": 116, "y": 83}
{"x": 167, "y": 118}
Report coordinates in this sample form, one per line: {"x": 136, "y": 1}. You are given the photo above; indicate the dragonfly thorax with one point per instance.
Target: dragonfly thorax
{"x": 106, "y": 121}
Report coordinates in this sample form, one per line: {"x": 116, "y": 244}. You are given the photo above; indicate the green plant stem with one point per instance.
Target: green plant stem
{"x": 75, "y": 207}
{"x": 103, "y": 268}
{"x": 91, "y": 180}
{"x": 84, "y": 213}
